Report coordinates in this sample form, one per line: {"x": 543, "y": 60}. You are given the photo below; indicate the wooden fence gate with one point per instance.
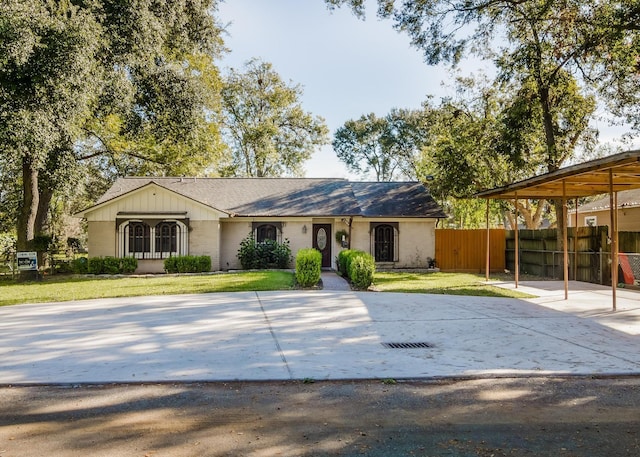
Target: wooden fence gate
{"x": 465, "y": 250}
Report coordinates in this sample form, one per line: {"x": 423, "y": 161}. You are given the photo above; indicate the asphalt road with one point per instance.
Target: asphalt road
{"x": 573, "y": 416}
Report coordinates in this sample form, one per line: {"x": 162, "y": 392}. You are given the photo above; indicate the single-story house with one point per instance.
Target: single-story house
{"x": 597, "y": 212}
{"x": 154, "y": 218}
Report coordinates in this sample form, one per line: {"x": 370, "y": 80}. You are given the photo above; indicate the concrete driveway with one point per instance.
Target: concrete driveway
{"x": 320, "y": 335}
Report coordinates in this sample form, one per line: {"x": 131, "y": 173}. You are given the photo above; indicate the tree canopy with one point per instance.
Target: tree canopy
{"x": 387, "y": 146}
{"x": 264, "y": 124}
{"x": 104, "y": 72}
{"x": 554, "y": 56}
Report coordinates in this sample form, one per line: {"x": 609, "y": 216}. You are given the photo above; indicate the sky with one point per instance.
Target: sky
{"x": 347, "y": 67}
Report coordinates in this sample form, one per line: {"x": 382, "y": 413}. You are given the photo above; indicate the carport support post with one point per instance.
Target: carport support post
{"x": 613, "y": 211}
{"x": 565, "y": 241}
{"x": 517, "y": 261}
{"x": 488, "y": 238}
{"x": 575, "y": 245}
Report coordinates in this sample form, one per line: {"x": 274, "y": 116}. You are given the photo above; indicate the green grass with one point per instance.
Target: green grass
{"x": 54, "y": 289}
{"x": 63, "y": 289}
{"x": 441, "y": 283}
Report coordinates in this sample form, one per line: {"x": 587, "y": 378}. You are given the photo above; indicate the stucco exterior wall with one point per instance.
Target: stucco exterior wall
{"x": 299, "y": 232}
{"x": 204, "y": 239}
{"x": 416, "y": 241}
{"x": 102, "y": 238}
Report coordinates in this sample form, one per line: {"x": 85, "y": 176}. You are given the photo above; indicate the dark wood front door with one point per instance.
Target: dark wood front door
{"x": 322, "y": 242}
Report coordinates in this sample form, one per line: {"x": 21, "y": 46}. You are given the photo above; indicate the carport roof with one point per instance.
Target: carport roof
{"x": 588, "y": 178}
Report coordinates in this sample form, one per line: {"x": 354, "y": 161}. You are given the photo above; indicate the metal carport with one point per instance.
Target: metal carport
{"x": 610, "y": 175}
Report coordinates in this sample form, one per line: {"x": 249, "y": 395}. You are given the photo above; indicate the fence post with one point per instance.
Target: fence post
{"x": 601, "y": 265}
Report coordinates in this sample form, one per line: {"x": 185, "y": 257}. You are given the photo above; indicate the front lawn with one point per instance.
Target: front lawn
{"x": 441, "y": 283}
{"x": 64, "y": 289}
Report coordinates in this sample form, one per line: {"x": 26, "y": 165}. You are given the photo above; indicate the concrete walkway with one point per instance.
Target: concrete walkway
{"x": 332, "y": 281}
{"x": 321, "y": 335}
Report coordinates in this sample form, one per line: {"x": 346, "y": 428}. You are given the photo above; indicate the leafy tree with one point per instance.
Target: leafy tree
{"x": 389, "y": 146}
{"x": 46, "y": 85}
{"x": 264, "y": 124}
{"x": 542, "y": 46}
{"x": 72, "y": 70}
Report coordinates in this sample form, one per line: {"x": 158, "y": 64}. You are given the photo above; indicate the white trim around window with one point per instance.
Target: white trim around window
{"x": 147, "y": 247}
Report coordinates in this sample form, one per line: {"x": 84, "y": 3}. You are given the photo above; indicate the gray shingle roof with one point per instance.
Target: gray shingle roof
{"x": 294, "y": 196}
{"x": 408, "y": 199}
{"x": 626, "y": 199}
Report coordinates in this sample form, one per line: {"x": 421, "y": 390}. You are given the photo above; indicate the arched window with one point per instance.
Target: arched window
{"x": 139, "y": 237}
{"x": 266, "y": 232}
{"x": 152, "y": 239}
{"x": 384, "y": 247}
{"x": 166, "y": 237}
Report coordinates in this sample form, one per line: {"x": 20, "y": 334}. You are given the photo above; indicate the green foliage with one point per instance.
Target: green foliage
{"x": 111, "y": 265}
{"x": 341, "y": 233}
{"x": 361, "y": 269}
{"x": 358, "y": 266}
{"x": 343, "y": 262}
{"x": 187, "y": 264}
{"x": 267, "y": 254}
{"x": 42, "y": 243}
{"x": 388, "y": 146}
{"x": 80, "y": 265}
{"x": 108, "y": 265}
{"x": 7, "y": 244}
{"x": 74, "y": 244}
{"x": 95, "y": 265}
{"x": 128, "y": 265}
{"x": 308, "y": 267}
{"x": 268, "y": 132}
{"x": 121, "y": 84}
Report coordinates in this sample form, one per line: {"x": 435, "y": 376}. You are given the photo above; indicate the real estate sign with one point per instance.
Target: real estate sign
{"x": 27, "y": 261}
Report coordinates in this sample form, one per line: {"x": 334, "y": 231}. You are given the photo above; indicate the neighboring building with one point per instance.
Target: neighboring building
{"x": 597, "y": 212}
{"x": 154, "y": 218}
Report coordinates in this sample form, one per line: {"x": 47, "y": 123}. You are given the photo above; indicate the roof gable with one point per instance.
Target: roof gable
{"x": 123, "y": 189}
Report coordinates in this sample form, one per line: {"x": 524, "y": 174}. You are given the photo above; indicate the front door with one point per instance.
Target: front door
{"x": 322, "y": 242}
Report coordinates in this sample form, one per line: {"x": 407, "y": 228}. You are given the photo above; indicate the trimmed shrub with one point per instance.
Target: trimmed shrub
{"x": 361, "y": 269}
{"x": 105, "y": 265}
{"x": 308, "y": 267}
{"x": 96, "y": 265}
{"x": 170, "y": 265}
{"x": 80, "y": 265}
{"x": 267, "y": 254}
{"x": 343, "y": 267}
{"x": 128, "y": 265}
{"x": 111, "y": 265}
{"x": 187, "y": 264}
{"x": 203, "y": 263}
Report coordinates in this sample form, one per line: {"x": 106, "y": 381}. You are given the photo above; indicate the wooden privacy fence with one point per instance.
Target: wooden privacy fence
{"x": 465, "y": 250}
{"x": 589, "y": 253}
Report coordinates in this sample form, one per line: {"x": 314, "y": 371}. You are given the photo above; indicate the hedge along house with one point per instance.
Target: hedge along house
{"x": 155, "y": 218}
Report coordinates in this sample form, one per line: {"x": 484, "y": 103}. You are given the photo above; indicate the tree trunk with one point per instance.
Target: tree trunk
{"x": 30, "y": 200}
{"x": 553, "y": 163}
{"x": 44, "y": 202}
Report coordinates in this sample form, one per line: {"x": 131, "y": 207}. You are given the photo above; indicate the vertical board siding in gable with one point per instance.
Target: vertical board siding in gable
{"x": 146, "y": 201}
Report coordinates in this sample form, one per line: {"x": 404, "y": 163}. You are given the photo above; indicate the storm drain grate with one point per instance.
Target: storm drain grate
{"x": 421, "y": 345}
